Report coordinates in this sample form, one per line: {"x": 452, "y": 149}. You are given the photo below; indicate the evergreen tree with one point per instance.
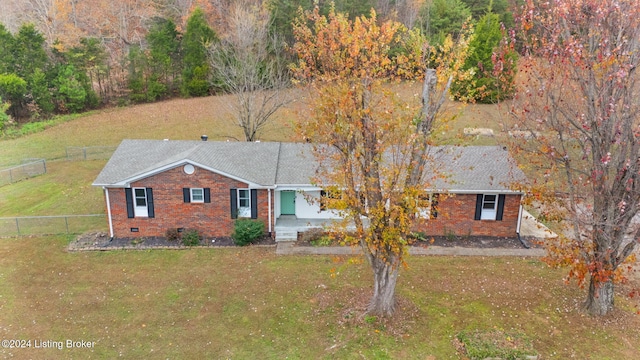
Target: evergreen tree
{"x": 479, "y": 8}
{"x": 30, "y": 64}
{"x": 164, "y": 54}
{"x": 41, "y": 93}
{"x": 6, "y": 46}
{"x": 197, "y": 39}
{"x": 90, "y": 61}
{"x": 284, "y": 12}
{"x": 70, "y": 93}
{"x": 29, "y": 52}
{"x": 439, "y": 18}
{"x": 486, "y": 86}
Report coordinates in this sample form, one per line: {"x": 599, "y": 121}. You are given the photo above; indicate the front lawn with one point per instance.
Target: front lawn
{"x": 249, "y": 303}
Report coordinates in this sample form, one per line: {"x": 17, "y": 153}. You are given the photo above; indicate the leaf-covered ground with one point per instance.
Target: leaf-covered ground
{"x": 251, "y": 303}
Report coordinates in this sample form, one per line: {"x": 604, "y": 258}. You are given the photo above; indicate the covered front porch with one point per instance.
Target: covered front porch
{"x": 297, "y": 209}
{"x": 287, "y": 227}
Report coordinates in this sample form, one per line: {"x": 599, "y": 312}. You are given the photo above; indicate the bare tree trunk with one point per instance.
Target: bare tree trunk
{"x": 385, "y": 277}
{"x": 600, "y": 298}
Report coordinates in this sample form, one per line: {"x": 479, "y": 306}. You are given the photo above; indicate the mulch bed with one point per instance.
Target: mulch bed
{"x": 101, "y": 240}
{"x": 449, "y": 241}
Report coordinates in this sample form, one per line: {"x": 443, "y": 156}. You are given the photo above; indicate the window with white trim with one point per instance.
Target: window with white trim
{"x": 489, "y": 207}
{"x": 244, "y": 203}
{"x": 197, "y": 195}
{"x": 140, "y": 202}
{"x": 428, "y": 206}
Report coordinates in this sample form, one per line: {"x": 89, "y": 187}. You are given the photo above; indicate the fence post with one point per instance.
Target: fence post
{"x": 66, "y": 152}
{"x": 66, "y": 223}
{"x": 18, "y": 226}
{"x": 10, "y": 177}
{"x": 44, "y": 165}
{"x": 84, "y": 153}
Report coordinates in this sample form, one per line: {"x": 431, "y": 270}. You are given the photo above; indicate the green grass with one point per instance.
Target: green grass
{"x": 65, "y": 189}
{"x": 250, "y": 303}
{"x": 178, "y": 119}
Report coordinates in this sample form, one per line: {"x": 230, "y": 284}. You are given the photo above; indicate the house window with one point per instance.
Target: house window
{"x": 140, "y": 201}
{"x": 244, "y": 203}
{"x": 197, "y": 195}
{"x": 428, "y": 206}
{"x": 489, "y": 207}
{"x": 327, "y": 198}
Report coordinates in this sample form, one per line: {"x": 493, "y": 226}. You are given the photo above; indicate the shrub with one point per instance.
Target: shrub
{"x": 172, "y": 234}
{"x": 495, "y": 344}
{"x": 247, "y": 231}
{"x": 312, "y": 235}
{"x": 191, "y": 238}
{"x": 325, "y": 240}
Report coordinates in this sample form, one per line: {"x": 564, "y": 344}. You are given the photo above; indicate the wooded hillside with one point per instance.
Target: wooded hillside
{"x": 64, "y": 56}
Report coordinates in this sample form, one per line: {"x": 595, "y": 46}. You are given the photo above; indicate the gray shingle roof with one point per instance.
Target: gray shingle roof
{"x": 271, "y": 163}
{"x": 475, "y": 168}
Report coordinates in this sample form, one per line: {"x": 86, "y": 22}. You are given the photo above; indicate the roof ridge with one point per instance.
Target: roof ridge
{"x": 275, "y": 177}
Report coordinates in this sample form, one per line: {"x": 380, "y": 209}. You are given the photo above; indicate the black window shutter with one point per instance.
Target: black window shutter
{"x": 478, "y": 207}
{"x": 207, "y": 195}
{"x": 500, "y": 207}
{"x": 234, "y": 203}
{"x": 254, "y": 203}
{"x": 128, "y": 194}
{"x": 186, "y": 195}
{"x": 150, "y": 211}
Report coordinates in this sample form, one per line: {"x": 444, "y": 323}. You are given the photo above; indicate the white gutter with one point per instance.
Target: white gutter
{"x": 269, "y": 202}
{"x": 519, "y": 219}
{"x": 106, "y": 194}
{"x": 453, "y": 191}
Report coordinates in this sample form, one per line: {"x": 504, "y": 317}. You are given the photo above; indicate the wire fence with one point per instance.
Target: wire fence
{"x": 74, "y": 153}
{"x": 29, "y": 168}
{"x": 51, "y": 225}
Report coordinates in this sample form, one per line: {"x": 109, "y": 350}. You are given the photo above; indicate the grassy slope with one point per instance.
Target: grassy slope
{"x": 185, "y": 304}
{"x": 174, "y": 119}
{"x": 250, "y": 303}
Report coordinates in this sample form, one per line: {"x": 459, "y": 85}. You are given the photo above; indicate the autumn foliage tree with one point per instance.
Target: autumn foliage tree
{"x": 373, "y": 146}
{"x": 579, "y": 100}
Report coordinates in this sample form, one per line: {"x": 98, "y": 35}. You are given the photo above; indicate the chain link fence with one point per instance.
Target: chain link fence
{"x": 29, "y": 168}
{"x": 51, "y": 225}
{"x": 74, "y": 153}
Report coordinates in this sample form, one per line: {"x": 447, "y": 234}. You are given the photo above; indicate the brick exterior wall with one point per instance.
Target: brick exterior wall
{"x": 210, "y": 219}
{"x": 456, "y": 215}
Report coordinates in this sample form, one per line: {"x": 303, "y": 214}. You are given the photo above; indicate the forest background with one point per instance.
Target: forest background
{"x": 70, "y": 56}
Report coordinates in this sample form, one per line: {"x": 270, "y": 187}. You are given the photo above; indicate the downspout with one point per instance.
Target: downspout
{"x": 269, "y": 202}
{"x": 524, "y": 243}
{"x": 106, "y": 195}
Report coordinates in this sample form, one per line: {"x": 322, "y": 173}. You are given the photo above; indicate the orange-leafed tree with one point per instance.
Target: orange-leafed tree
{"x": 373, "y": 145}
{"x": 578, "y": 103}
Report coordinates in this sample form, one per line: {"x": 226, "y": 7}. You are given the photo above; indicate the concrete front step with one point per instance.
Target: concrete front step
{"x": 286, "y": 235}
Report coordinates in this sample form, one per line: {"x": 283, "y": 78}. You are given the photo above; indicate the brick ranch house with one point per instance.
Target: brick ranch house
{"x": 151, "y": 186}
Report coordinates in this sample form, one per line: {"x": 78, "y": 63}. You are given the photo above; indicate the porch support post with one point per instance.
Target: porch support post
{"x": 269, "y": 202}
